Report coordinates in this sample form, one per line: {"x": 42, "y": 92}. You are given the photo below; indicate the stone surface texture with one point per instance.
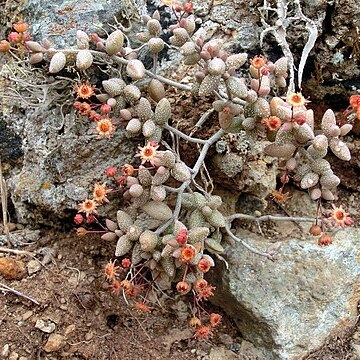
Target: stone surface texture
{"x": 61, "y": 157}
{"x": 290, "y": 306}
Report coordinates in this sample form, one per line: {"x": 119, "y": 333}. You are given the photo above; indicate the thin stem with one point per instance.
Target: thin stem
{"x": 268, "y": 217}
{"x": 204, "y": 151}
{"x": 184, "y": 136}
{"x": 247, "y": 246}
{"x": 3, "y": 192}
{"x": 177, "y": 209}
{"x": 123, "y": 61}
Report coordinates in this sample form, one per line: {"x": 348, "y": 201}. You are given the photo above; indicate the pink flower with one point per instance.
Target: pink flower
{"x": 340, "y": 217}
{"x": 148, "y": 152}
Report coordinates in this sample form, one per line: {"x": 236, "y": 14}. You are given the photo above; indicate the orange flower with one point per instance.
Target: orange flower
{"x": 183, "y": 287}
{"x": 105, "y": 128}
{"x": 133, "y": 291}
{"x": 142, "y": 307}
{"x": 127, "y": 169}
{"x": 215, "y": 319}
{"x": 84, "y": 108}
{"x": 258, "y": 61}
{"x": 4, "y": 46}
{"x": 340, "y": 217}
{"x": 94, "y": 116}
{"x": 126, "y": 285}
{"x": 295, "y": 99}
{"x": 81, "y": 231}
{"x": 355, "y": 101}
{"x": 203, "y": 333}
{"x": 203, "y": 289}
{"x": 99, "y": 193}
{"x": 148, "y": 152}
{"x": 279, "y": 196}
{"x": 115, "y": 287}
{"x": 187, "y": 253}
{"x": 272, "y": 123}
{"x": 111, "y": 270}
{"x": 315, "y": 230}
{"x": 325, "y": 240}
{"x": 84, "y": 90}
{"x": 88, "y": 207}
{"x": 20, "y": 27}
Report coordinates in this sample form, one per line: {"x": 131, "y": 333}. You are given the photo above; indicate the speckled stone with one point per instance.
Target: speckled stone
{"x": 288, "y": 307}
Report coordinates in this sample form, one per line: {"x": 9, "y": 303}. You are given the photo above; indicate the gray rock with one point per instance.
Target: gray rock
{"x": 33, "y": 266}
{"x": 58, "y": 21}
{"x": 45, "y": 326}
{"x": 61, "y": 156}
{"x": 289, "y": 307}
{"x": 221, "y": 353}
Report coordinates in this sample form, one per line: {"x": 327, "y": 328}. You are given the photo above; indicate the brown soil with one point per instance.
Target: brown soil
{"x": 74, "y": 295}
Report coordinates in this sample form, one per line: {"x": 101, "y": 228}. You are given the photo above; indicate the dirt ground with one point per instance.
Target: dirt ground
{"x": 75, "y": 302}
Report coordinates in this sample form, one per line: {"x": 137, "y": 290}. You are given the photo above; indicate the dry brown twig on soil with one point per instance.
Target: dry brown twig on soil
{"x": 6, "y": 289}
{"x": 3, "y": 192}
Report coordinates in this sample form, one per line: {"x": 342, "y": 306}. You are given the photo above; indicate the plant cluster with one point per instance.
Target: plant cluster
{"x": 172, "y": 229}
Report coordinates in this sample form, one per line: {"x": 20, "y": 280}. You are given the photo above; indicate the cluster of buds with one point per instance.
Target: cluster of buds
{"x": 205, "y": 331}
{"x": 89, "y": 205}
{"x": 105, "y": 126}
{"x": 336, "y": 217}
{"x": 16, "y": 39}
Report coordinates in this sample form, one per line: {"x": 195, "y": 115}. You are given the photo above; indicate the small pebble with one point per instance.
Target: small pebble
{"x": 45, "y": 326}
{"x": 33, "y": 267}
{"x": 14, "y": 356}
{"x": 5, "y": 351}
{"x": 69, "y": 329}
{"x": 89, "y": 335}
{"x": 55, "y": 342}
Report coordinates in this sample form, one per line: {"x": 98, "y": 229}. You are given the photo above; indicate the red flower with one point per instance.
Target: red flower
{"x": 182, "y": 237}
{"x": 325, "y": 240}
{"x": 78, "y": 219}
{"x": 125, "y": 263}
{"x": 204, "y": 333}
{"x": 111, "y": 171}
{"x": 355, "y": 101}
